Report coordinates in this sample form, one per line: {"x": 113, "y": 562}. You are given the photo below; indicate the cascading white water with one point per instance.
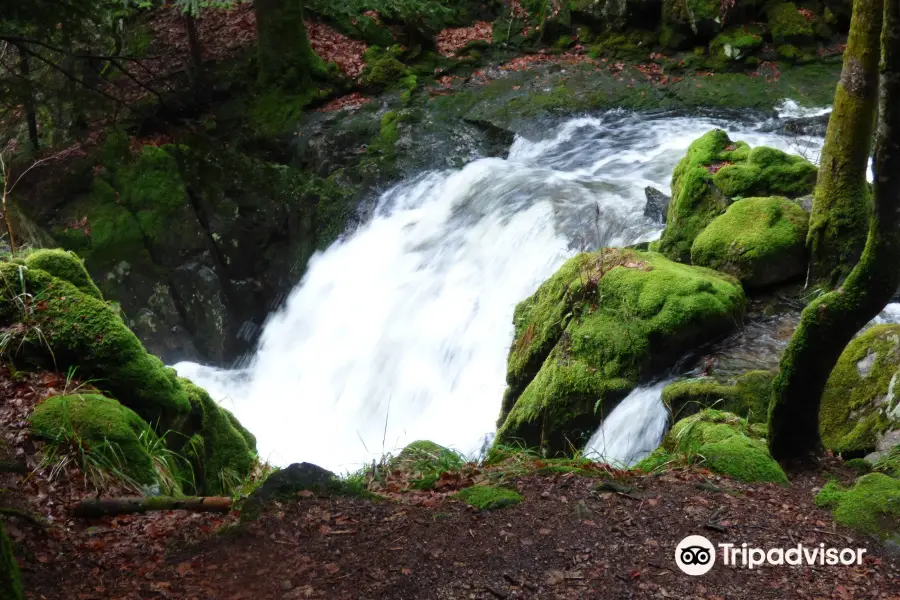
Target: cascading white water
{"x": 400, "y": 331}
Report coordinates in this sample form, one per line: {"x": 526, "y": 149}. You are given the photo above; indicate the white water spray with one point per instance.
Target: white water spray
{"x": 401, "y": 330}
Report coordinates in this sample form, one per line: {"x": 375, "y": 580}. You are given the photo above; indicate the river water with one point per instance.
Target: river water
{"x": 400, "y": 331}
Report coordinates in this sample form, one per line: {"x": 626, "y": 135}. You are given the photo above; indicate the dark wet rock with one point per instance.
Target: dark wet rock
{"x": 286, "y": 483}
{"x": 657, "y": 205}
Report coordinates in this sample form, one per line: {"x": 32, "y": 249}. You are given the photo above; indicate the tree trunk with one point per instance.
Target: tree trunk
{"x": 10, "y": 579}
{"x": 104, "y": 507}
{"x": 285, "y": 57}
{"x": 28, "y": 100}
{"x": 196, "y": 65}
{"x": 840, "y": 213}
{"x": 831, "y": 321}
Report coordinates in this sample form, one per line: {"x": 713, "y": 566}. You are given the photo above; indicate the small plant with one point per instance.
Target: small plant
{"x": 173, "y": 471}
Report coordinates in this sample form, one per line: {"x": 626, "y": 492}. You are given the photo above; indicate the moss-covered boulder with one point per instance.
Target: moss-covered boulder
{"x": 747, "y": 397}
{"x": 725, "y": 444}
{"x": 486, "y": 497}
{"x": 66, "y": 266}
{"x": 860, "y": 411}
{"x": 115, "y": 436}
{"x": 10, "y": 578}
{"x": 683, "y": 21}
{"x": 787, "y": 25}
{"x": 871, "y": 506}
{"x": 62, "y": 327}
{"x": 761, "y": 241}
{"x": 221, "y": 451}
{"x": 736, "y": 44}
{"x": 604, "y": 322}
{"x": 716, "y": 170}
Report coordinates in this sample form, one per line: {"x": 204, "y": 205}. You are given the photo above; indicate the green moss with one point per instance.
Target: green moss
{"x": 66, "y": 266}
{"x": 871, "y": 506}
{"x": 859, "y": 402}
{"x": 889, "y": 463}
{"x": 725, "y": 444}
{"x": 486, "y": 497}
{"x": 860, "y": 465}
{"x": 761, "y": 241}
{"x": 714, "y": 169}
{"x": 383, "y": 70}
{"x": 79, "y": 330}
{"x": 102, "y": 426}
{"x": 152, "y": 189}
{"x": 594, "y": 330}
{"x": 787, "y": 25}
{"x": 275, "y": 111}
{"x": 748, "y": 397}
{"x": 10, "y": 579}
{"x": 767, "y": 171}
{"x": 223, "y": 453}
{"x": 655, "y": 461}
{"x": 737, "y": 43}
{"x": 695, "y": 202}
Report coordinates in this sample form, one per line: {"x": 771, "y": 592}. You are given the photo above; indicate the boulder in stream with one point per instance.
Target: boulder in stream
{"x": 598, "y": 327}
{"x": 657, "y": 205}
{"x": 714, "y": 173}
{"x": 761, "y": 241}
{"x": 747, "y": 396}
{"x": 721, "y": 442}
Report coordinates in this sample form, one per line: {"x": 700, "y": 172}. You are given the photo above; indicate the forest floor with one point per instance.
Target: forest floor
{"x": 567, "y": 539}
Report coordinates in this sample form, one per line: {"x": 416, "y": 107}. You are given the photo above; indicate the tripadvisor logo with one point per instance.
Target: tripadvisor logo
{"x": 696, "y": 555}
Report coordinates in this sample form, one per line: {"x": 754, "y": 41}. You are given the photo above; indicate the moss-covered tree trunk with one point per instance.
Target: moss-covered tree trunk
{"x": 10, "y": 580}
{"x": 285, "y": 56}
{"x": 831, "y": 321}
{"x": 840, "y": 214}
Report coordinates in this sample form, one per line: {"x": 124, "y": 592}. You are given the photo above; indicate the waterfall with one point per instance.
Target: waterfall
{"x": 400, "y": 330}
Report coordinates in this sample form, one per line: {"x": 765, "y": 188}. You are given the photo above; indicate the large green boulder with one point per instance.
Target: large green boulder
{"x": 221, "y": 451}
{"x": 860, "y": 411}
{"x": 871, "y": 506}
{"x": 111, "y": 437}
{"x": 747, "y": 396}
{"x": 761, "y": 241}
{"x": 787, "y": 25}
{"x": 713, "y": 173}
{"x": 725, "y": 444}
{"x": 58, "y": 325}
{"x": 603, "y": 323}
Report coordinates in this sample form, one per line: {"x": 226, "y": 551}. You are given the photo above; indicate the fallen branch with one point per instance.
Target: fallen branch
{"x": 104, "y": 507}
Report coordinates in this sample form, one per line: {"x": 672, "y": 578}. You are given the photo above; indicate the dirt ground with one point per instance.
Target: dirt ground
{"x": 565, "y": 541}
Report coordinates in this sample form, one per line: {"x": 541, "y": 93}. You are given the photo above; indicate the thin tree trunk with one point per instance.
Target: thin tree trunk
{"x": 831, "y": 321}
{"x": 104, "y": 507}
{"x": 28, "y": 101}
{"x": 840, "y": 215}
{"x": 196, "y": 65}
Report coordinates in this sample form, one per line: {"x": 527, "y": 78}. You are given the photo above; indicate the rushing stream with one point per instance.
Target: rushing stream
{"x": 401, "y": 330}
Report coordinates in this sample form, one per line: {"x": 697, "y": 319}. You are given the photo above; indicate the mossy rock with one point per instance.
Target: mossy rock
{"x": 221, "y": 451}
{"x": 65, "y": 265}
{"x": 655, "y": 461}
{"x": 487, "y": 497}
{"x": 888, "y": 463}
{"x": 787, "y": 25}
{"x": 860, "y": 465}
{"x": 713, "y": 172}
{"x": 860, "y": 405}
{"x": 736, "y": 44}
{"x": 686, "y": 20}
{"x": 80, "y": 330}
{"x": 761, "y": 241}
{"x": 871, "y": 506}
{"x": 747, "y": 397}
{"x": 725, "y": 444}
{"x": 604, "y": 322}
{"x": 384, "y": 70}
{"x": 10, "y": 578}
{"x": 767, "y": 171}
{"x": 102, "y": 426}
